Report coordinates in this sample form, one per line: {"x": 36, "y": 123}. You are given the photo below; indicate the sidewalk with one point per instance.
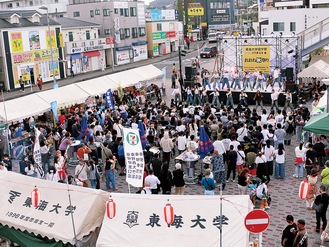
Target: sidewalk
{"x": 15, "y": 93}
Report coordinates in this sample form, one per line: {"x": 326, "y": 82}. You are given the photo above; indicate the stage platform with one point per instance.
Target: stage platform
{"x": 251, "y": 94}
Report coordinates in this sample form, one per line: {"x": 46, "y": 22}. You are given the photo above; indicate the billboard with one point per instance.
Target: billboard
{"x": 16, "y": 41}
{"x": 163, "y": 15}
{"x": 256, "y": 57}
{"x": 195, "y": 11}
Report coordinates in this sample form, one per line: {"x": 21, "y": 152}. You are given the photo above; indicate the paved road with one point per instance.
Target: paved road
{"x": 284, "y": 192}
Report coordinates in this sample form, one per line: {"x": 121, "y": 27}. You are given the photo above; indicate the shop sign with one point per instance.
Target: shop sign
{"x": 171, "y": 34}
{"x": 33, "y": 56}
{"x": 76, "y": 50}
{"x": 159, "y": 35}
{"x": 94, "y": 48}
{"x": 155, "y": 48}
{"x": 195, "y": 11}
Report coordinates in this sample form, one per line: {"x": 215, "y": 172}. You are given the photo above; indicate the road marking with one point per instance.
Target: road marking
{"x": 257, "y": 221}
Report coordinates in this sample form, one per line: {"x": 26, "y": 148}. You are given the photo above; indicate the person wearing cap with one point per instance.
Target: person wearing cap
{"x": 301, "y": 238}
{"x": 178, "y": 179}
{"x": 323, "y": 199}
{"x": 312, "y": 180}
{"x": 288, "y": 234}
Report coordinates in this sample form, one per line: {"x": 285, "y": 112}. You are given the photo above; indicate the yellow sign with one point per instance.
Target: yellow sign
{"x": 204, "y": 24}
{"x": 33, "y": 56}
{"x": 16, "y": 41}
{"x": 195, "y": 11}
{"x": 61, "y": 41}
{"x": 256, "y": 58}
{"x": 52, "y": 38}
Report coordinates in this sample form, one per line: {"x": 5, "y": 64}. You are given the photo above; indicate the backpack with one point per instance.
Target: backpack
{"x": 271, "y": 140}
{"x": 290, "y": 128}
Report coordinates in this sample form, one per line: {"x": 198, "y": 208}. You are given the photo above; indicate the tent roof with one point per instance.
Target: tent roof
{"x": 318, "y": 124}
{"x": 23, "y": 107}
{"x": 64, "y": 95}
{"x": 149, "y": 72}
{"x": 97, "y": 86}
{"x": 320, "y": 69}
{"x": 52, "y": 218}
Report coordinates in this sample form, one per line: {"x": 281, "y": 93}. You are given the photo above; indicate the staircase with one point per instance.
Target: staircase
{"x": 314, "y": 37}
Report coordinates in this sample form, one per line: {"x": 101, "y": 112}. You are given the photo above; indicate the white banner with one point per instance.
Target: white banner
{"x": 134, "y": 157}
{"x": 140, "y": 221}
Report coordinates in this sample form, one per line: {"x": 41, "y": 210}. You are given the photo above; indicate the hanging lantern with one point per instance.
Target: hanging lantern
{"x": 168, "y": 214}
{"x": 35, "y": 197}
{"x": 304, "y": 188}
{"x": 111, "y": 209}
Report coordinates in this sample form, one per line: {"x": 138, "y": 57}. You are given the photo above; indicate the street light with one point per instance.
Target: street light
{"x": 51, "y": 47}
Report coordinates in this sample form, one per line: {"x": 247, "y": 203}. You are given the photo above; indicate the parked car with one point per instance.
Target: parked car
{"x": 208, "y": 52}
{"x": 212, "y": 37}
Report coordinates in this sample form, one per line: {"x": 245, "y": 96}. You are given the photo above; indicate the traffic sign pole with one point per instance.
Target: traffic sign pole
{"x": 257, "y": 221}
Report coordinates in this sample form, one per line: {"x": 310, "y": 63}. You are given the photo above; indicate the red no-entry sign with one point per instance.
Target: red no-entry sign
{"x": 257, "y": 221}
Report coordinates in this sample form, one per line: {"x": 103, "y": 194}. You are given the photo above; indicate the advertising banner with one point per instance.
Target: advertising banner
{"x": 33, "y": 56}
{"x": 134, "y": 157}
{"x": 256, "y": 57}
{"x": 195, "y": 11}
{"x": 159, "y": 35}
{"x": 34, "y": 40}
{"x": 16, "y": 41}
{"x": 51, "y": 38}
{"x": 188, "y": 220}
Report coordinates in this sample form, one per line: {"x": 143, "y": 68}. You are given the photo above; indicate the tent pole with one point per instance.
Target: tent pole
{"x": 221, "y": 215}
{"x": 69, "y": 195}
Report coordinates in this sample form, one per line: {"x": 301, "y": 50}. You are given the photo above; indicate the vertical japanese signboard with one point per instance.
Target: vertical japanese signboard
{"x": 141, "y": 221}
{"x": 134, "y": 157}
{"x": 256, "y": 57}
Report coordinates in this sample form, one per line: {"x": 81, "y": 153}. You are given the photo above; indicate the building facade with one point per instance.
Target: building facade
{"x": 26, "y": 47}
{"x": 123, "y": 22}
{"x": 84, "y": 51}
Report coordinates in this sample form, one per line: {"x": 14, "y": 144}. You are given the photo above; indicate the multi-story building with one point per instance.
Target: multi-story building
{"x": 55, "y": 7}
{"x": 27, "y": 48}
{"x": 162, "y": 30}
{"x": 123, "y": 22}
{"x": 84, "y": 51}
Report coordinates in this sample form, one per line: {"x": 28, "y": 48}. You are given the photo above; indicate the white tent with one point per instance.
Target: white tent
{"x": 52, "y": 217}
{"x": 70, "y": 94}
{"x": 23, "y": 107}
{"x": 320, "y": 69}
{"x": 140, "y": 221}
{"x": 148, "y": 72}
{"x": 98, "y": 85}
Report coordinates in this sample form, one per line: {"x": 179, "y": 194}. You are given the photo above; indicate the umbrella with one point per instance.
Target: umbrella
{"x": 318, "y": 124}
{"x": 205, "y": 144}
{"x": 142, "y": 133}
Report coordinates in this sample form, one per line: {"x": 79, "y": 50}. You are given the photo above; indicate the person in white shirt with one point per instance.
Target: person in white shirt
{"x": 300, "y": 153}
{"x": 52, "y": 175}
{"x": 81, "y": 171}
{"x": 264, "y": 116}
{"x": 216, "y": 80}
{"x": 192, "y": 145}
{"x": 241, "y": 157}
{"x": 234, "y": 143}
{"x": 181, "y": 127}
{"x": 288, "y": 101}
{"x": 260, "y": 79}
{"x": 268, "y": 151}
{"x": 153, "y": 181}
{"x": 226, "y": 76}
{"x": 177, "y": 94}
{"x": 215, "y": 99}
{"x": 276, "y": 77}
{"x": 134, "y": 125}
{"x": 189, "y": 94}
{"x": 280, "y": 162}
{"x": 279, "y": 119}
{"x": 241, "y": 132}
{"x": 229, "y": 98}
{"x": 246, "y": 80}
{"x": 3, "y": 167}
{"x": 243, "y": 98}
{"x": 274, "y": 99}
{"x": 181, "y": 142}
{"x": 219, "y": 146}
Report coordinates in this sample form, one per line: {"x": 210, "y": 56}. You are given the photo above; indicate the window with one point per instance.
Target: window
{"x": 220, "y": 5}
{"x": 106, "y": 12}
{"x": 126, "y": 12}
{"x": 91, "y": 43}
{"x": 134, "y": 33}
{"x": 159, "y": 27}
{"x": 56, "y": 1}
{"x": 127, "y": 32}
{"x": 97, "y": 12}
{"x": 83, "y": 44}
{"x": 92, "y": 14}
{"x": 278, "y": 26}
{"x": 122, "y": 33}
{"x": 76, "y": 14}
{"x": 99, "y": 32}
{"x": 292, "y": 26}
{"x": 9, "y": 6}
{"x": 70, "y": 36}
{"x": 87, "y": 35}
{"x": 17, "y": 4}
{"x": 121, "y": 12}
{"x": 31, "y": 3}
{"x": 171, "y": 26}
{"x": 133, "y": 11}
{"x": 141, "y": 31}
{"x": 74, "y": 45}
{"x": 106, "y": 31}
{"x": 116, "y": 11}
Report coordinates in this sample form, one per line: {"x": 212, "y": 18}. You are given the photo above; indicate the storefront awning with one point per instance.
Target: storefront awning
{"x": 92, "y": 54}
{"x": 64, "y": 95}
{"x": 76, "y": 56}
{"x": 23, "y": 107}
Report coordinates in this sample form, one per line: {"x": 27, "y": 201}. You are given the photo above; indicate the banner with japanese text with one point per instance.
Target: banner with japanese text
{"x": 134, "y": 157}
{"x": 140, "y": 221}
{"x": 50, "y": 38}
{"x": 52, "y": 217}
{"x": 16, "y": 41}
{"x": 256, "y": 57}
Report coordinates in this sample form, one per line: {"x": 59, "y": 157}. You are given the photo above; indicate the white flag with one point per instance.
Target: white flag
{"x": 134, "y": 157}
{"x": 36, "y": 148}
